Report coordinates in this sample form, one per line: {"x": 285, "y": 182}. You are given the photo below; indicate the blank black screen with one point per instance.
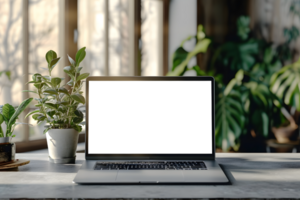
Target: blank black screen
{"x": 150, "y": 117}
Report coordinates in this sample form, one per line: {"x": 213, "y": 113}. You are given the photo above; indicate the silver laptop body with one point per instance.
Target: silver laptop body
{"x": 150, "y": 130}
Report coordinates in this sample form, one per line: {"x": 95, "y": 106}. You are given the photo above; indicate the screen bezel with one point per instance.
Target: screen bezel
{"x": 150, "y": 156}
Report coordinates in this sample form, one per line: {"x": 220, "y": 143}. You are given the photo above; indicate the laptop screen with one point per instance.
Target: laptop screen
{"x": 150, "y": 117}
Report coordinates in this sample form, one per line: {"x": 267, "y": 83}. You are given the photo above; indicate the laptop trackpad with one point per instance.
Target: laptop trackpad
{"x": 150, "y": 176}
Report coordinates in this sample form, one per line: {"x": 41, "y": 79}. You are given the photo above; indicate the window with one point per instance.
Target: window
{"x": 11, "y": 55}
{"x": 123, "y": 38}
{"x": 43, "y": 31}
{"x": 134, "y": 28}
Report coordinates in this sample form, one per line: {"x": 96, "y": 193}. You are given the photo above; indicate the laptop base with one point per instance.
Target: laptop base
{"x": 88, "y": 175}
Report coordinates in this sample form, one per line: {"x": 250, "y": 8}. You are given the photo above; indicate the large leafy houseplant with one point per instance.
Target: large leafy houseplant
{"x": 9, "y": 115}
{"x": 250, "y": 75}
{"x": 242, "y": 67}
{"x": 58, "y": 104}
{"x": 285, "y": 84}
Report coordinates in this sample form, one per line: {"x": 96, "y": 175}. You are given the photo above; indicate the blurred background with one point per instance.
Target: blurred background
{"x": 251, "y": 47}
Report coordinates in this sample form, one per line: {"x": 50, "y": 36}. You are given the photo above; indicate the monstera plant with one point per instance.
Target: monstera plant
{"x": 59, "y": 106}
{"x": 248, "y": 106}
{"x": 285, "y": 84}
{"x": 245, "y": 101}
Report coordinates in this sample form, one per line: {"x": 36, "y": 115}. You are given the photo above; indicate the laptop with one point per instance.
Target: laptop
{"x": 150, "y": 130}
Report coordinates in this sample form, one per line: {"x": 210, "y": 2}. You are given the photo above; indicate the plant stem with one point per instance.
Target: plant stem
{"x": 74, "y": 83}
{"x": 44, "y": 111}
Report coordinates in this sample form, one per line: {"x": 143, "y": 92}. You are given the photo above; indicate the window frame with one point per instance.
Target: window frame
{"x": 68, "y": 11}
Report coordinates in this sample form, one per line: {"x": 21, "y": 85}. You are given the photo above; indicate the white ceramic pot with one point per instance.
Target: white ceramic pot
{"x": 62, "y": 145}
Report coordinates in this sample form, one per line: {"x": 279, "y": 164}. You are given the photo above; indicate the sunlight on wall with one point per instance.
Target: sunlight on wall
{"x": 152, "y": 38}
{"x": 118, "y": 37}
{"x": 91, "y": 35}
{"x": 11, "y": 54}
{"x": 43, "y": 36}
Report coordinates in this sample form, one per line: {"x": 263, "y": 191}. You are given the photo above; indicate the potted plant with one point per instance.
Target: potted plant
{"x": 9, "y": 115}
{"x": 285, "y": 85}
{"x": 59, "y": 106}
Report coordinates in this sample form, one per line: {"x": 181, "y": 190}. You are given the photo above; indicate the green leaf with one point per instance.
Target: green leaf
{"x": 70, "y": 83}
{"x": 229, "y": 87}
{"x": 1, "y": 119}
{"x": 80, "y": 56}
{"x": 65, "y": 103}
{"x": 36, "y": 78}
{"x": 53, "y": 63}
{"x": 55, "y": 82}
{"x": 8, "y": 74}
{"x": 286, "y": 84}
{"x": 46, "y": 130}
{"x": 1, "y": 132}
{"x": 30, "y": 91}
{"x": 50, "y": 91}
{"x": 62, "y": 109}
{"x": 268, "y": 55}
{"x": 79, "y": 98}
{"x": 51, "y": 113}
{"x": 46, "y": 78}
{"x": 31, "y": 82}
{"x": 63, "y": 90}
{"x": 82, "y": 76}
{"x": 178, "y": 57}
{"x": 32, "y": 112}
{"x": 239, "y": 75}
{"x": 199, "y": 71}
{"x": 265, "y": 124}
{"x": 51, "y": 105}
{"x": 22, "y": 123}
{"x": 201, "y": 47}
{"x": 50, "y": 55}
{"x": 79, "y": 69}
{"x": 77, "y": 128}
{"x": 7, "y": 112}
{"x": 229, "y": 120}
{"x": 260, "y": 121}
{"x": 73, "y": 63}
{"x": 243, "y": 27}
{"x": 41, "y": 118}
{"x": 19, "y": 110}
{"x": 79, "y": 117}
{"x": 39, "y": 85}
{"x": 35, "y": 116}
{"x": 70, "y": 71}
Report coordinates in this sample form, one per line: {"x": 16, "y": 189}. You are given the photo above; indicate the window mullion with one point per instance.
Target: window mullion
{"x": 25, "y": 62}
{"x": 134, "y": 36}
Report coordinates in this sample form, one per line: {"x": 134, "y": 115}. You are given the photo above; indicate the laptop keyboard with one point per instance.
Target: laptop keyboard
{"x": 190, "y": 165}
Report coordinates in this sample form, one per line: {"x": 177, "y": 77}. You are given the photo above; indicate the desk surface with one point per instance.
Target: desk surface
{"x": 252, "y": 176}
